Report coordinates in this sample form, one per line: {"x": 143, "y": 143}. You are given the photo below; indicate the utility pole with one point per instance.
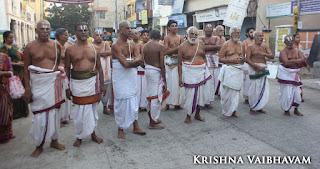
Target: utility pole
{"x": 296, "y": 17}
{"x": 115, "y": 19}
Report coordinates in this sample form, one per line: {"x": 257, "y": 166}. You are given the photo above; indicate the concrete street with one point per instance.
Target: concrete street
{"x": 174, "y": 147}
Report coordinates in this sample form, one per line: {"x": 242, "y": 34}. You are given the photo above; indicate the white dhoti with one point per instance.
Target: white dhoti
{"x": 290, "y": 92}
{"x": 212, "y": 64}
{"x": 176, "y": 92}
{"x": 46, "y": 88}
{"x": 195, "y": 77}
{"x": 106, "y": 68}
{"x": 217, "y": 82}
{"x": 125, "y": 92}
{"x": 141, "y": 86}
{"x": 231, "y": 77}
{"x": 246, "y": 80}
{"x": 65, "y": 108}
{"x": 85, "y": 96}
{"x": 259, "y": 88}
{"x": 155, "y": 93}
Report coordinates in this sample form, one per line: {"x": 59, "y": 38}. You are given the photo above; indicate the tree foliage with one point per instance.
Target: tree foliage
{"x": 68, "y": 15}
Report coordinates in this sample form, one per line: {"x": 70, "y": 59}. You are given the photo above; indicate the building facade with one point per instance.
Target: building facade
{"x": 277, "y": 17}
{"x": 103, "y": 14}
{"x": 21, "y": 20}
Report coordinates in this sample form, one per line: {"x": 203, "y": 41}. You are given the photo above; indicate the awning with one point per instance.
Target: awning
{"x": 71, "y": 1}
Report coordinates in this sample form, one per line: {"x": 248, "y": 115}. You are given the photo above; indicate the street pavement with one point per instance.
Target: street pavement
{"x": 174, "y": 147}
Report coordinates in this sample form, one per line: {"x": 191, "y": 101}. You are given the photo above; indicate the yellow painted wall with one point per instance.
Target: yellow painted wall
{"x": 133, "y": 13}
{"x": 37, "y": 5}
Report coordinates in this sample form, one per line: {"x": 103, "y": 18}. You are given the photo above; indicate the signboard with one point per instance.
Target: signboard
{"x": 52, "y": 34}
{"x": 279, "y": 10}
{"x": 30, "y": 13}
{"x": 101, "y": 29}
{"x": 165, "y": 2}
{"x": 307, "y": 6}
{"x": 181, "y": 19}
{"x": 212, "y": 15}
{"x": 281, "y": 32}
{"x": 14, "y": 7}
{"x": 144, "y": 15}
{"x": 141, "y": 5}
{"x": 177, "y": 7}
{"x": 140, "y": 16}
{"x": 236, "y": 11}
{"x": 24, "y": 9}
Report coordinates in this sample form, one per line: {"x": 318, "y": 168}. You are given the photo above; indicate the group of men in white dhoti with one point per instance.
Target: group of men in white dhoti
{"x": 186, "y": 74}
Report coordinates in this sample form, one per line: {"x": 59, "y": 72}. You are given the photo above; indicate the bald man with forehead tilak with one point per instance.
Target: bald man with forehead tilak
{"x": 43, "y": 87}
{"x": 126, "y": 59}
{"x": 86, "y": 80}
{"x": 290, "y": 92}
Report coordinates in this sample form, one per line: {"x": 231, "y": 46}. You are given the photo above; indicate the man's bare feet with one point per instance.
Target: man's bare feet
{"x": 262, "y": 111}
{"x": 252, "y": 112}
{"x": 12, "y": 137}
{"x": 225, "y": 117}
{"x": 246, "y": 101}
{"x": 158, "y": 122}
{"x": 198, "y": 117}
{"x": 121, "y": 134}
{"x": 296, "y": 112}
{"x": 155, "y": 126}
{"x": 165, "y": 108}
{"x": 137, "y": 129}
{"x": 57, "y": 145}
{"x": 234, "y": 114}
{"x": 106, "y": 111}
{"x": 62, "y": 125}
{"x": 37, "y": 151}
{"x": 77, "y": 143}
{"x": 188, "y": 119}
{"x": 208, "y": 106}
{"x": 95, "y": 138}
{"x": 286, "y": 113}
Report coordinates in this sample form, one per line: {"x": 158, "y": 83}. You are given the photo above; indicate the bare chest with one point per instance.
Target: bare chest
{"x": 192, "y": 51}
{"x": 233, "y": 49}
{"x": 209, "y": 41}
{"x": 127, "y": 50}
{"x": 39, "y": 54}
{"x": 174, "y": 42}
{"x": 292, "y": 54}
{"x": 83, "y": 54}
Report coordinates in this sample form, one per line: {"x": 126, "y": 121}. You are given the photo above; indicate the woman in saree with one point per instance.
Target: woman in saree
{"x": 20, "y": 108}
{"x": 6, "y": 109}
